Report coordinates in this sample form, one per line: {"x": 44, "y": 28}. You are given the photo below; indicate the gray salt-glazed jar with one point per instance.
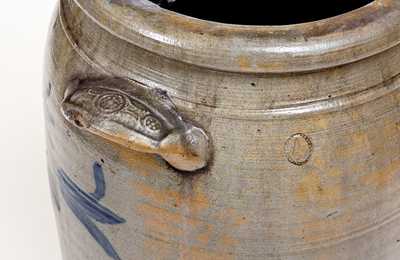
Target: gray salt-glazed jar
{"x": 171, "y": 137}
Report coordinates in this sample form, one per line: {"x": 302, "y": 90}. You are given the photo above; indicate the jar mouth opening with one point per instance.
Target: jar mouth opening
{"x": 260, "y": 13}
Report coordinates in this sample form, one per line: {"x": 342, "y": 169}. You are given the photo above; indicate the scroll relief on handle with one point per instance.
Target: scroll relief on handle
{"x": 139, "y": 118}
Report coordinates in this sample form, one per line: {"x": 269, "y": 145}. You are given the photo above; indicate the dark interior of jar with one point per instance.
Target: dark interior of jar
{"x": 261, "y": 12}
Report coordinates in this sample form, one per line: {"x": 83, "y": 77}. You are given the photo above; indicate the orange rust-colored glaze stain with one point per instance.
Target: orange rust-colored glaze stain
{"x": 177, "y": 218}
{"x": 319, "y": 162}
{"x": 355, "y": 116}
{"x": 157, "y": 249}
{"x": 199, "y": 254}
{"x": 360, "y": 139}
{"x": 217, "y": 237}
{"x": 382, "y": 177}
{"x": 231, "y": 221}
{"x": 324, "y": 256}
{"x": 178, "y": 150}
{"x": 321, "y": 123}
{"x": 158, "y": 197}
{"x": 205, "y": 236}
{"x": 231, "y": 217}
{"x": 123, "y": 139}
{"x": 163, "y": 228}
{"x": 165, "y": 205}
{"x": 136, "y": 160}
{"x": 195, "y": 253}
{"x": 228, "y": 240}
{"x": 188, "y": 25}
{"x": 311, "y": 189}
{"x": 397, "y": 97}
{"x": 164, "y": 223}
{"x": 320, "y": 230}
{"x": 390, "y": 129}
{"x": 244, "y": 62}
{"x": 269, "y": 65}
{"x": 334, "y": 173}
{"x": 359, "y": 144}
{"x": 171, "y": 199}
{"x": 174, "y": 149}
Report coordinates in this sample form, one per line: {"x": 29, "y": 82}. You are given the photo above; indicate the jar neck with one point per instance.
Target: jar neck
{"x": 256, "y": 49}
{"x": 241, "y": 92}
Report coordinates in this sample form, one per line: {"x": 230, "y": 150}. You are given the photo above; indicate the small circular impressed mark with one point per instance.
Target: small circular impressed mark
{"x": 298, "y": 149}
{"x": 111, "y": 103}
{"x": 152, "y": 124}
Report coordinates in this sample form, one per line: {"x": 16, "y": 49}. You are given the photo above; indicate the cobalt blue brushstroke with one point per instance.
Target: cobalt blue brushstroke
{"x": 100, "y": 191}
{"x": 86, "y": 207}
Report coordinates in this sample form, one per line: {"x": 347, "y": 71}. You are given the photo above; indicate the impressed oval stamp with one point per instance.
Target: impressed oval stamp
{"x": 111, "y": 103}
{"x": 298, "y": 149}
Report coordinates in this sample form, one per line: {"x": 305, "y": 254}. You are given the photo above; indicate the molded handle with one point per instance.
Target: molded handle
{"x": 137, "y": 117}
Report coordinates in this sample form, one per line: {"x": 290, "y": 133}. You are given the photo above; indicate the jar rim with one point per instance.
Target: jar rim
{"x": 264, "y": 13}
{"x": 315, "y": 45}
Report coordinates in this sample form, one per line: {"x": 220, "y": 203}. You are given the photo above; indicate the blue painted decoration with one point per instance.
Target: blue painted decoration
{"x": 86, "y": 207}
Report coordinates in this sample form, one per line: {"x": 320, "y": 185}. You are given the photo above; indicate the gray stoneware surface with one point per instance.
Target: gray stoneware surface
{"x": 298, "y": 128}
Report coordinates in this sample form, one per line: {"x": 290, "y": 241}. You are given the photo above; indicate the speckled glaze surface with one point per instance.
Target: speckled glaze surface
{"x": 172, "y": 138}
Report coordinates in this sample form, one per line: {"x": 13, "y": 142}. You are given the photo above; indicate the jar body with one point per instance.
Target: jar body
{"x": 280, "y": 185}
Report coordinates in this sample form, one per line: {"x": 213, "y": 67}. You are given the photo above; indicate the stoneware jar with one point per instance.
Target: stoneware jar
{"x": 216, "y": 132}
